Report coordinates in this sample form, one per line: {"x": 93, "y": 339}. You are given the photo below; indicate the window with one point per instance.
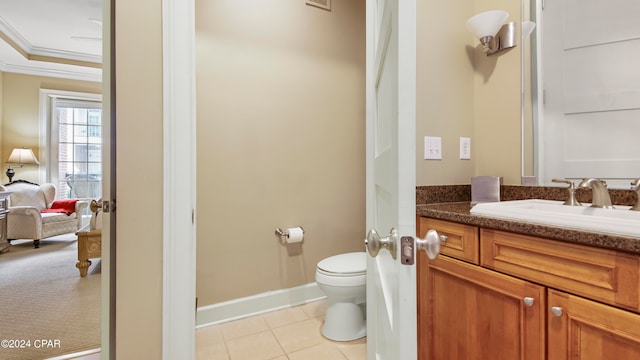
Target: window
{"x": 79, "y": 149}
{"x": 71, "y": 143}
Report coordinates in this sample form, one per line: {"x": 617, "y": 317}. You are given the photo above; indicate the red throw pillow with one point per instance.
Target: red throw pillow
{"x": 62, "y": 206}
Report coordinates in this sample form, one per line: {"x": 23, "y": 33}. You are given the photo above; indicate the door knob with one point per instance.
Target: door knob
{"x": 431, "y": 244}
{"x": 374, "y": 242}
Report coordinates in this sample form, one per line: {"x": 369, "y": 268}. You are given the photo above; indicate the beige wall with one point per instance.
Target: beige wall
{"x": 445, "y": 91}
{"x": 20, "y": 124}
{"x": 463, "y": 92}
{"x": 497, "y": 105}
{"x": 139, "y": 179}
{"x": 281, "y": 116}
{"x": 316, "y": 180}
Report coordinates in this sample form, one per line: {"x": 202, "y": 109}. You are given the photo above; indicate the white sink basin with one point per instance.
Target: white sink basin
{"x": 618, "y": 221}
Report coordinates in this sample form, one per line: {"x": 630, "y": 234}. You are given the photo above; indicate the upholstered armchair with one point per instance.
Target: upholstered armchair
{"x": 30, "y": 214}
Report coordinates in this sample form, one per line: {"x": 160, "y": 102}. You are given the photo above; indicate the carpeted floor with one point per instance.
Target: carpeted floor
{"x": 45, "y": 306}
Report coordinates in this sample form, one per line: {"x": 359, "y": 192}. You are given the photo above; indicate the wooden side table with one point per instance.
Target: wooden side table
{"x": 4, "y": 210}
{"x": 89, "y": 247}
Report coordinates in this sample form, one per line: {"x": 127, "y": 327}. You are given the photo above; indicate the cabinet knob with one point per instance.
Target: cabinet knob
{"x": 556, "y": 311}
{"x": 528, "y": 301}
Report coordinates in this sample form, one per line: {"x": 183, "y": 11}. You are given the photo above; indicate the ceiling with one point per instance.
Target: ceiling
{"x": 58, "y": 38}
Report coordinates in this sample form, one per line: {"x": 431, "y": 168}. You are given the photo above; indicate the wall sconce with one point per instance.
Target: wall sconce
{"x": 527, "y": 28}
{"x": 21, "y": 157}
{"x": 494, "y": 36}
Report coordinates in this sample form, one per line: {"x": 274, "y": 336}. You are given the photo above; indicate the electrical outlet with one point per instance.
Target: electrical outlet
{"x": 432, "y": 148}
{"x": 465, "y": 148}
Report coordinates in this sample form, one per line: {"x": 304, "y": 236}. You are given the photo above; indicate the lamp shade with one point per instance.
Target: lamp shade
{"x": 22, "y": 156}
{"x": 527, "y": 28}
{"x": 487, "y": 23}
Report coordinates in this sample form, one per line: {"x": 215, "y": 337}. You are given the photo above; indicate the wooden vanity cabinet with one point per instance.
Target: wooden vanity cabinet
{"x": 462, "y": 240}
{"x": 588, "y": 330}
{"x": 529, "y": 298}
{"x": 467, "y": 312}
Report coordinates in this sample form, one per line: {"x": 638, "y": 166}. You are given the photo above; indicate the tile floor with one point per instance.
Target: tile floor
{"x": 289, "y": 334}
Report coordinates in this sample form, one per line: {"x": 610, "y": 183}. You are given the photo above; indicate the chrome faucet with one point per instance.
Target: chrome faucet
{"x": 599, "y": 193}
{"x": 635, "y": 186}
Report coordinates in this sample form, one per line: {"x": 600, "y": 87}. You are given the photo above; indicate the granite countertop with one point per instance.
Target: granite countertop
{"x": 460, "y": 212}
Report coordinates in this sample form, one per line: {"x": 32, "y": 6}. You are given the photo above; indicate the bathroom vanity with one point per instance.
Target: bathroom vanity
{"x": 503, "y": 289}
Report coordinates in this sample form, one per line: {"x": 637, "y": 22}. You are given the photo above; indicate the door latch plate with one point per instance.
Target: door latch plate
{"x": 407, "y": 244}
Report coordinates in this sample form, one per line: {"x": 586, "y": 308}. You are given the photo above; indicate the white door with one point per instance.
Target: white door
{"x": 391, "y": 151}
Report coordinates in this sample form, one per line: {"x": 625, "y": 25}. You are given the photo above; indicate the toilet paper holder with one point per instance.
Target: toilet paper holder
{"x": 284, "y": 235}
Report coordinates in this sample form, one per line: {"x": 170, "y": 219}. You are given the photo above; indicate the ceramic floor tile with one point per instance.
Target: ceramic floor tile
{"x": 318, "y": 352}
{"x": 315, "y": 309}
{"x": 243, "y": 327}
{"x": 294, "y": 333}
{"x": 284, "y": 317}
{"x": 211, "y": 351}
{"x": 299, "y": 336}
{"x": 354, "y": 350}
{"x": 209, "y": 335}
{"x": 261, "y": 346}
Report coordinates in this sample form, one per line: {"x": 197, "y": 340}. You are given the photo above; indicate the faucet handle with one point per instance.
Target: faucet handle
{"x": 571, "y": 201}
{"x": 565, "y": 181}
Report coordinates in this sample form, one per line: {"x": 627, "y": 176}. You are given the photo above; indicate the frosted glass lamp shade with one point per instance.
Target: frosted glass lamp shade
{"x": 527, "y": 28}
{"x": 487, "y": 23}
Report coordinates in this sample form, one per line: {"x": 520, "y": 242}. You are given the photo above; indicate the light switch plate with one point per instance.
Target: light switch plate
{"x": 465, "y": 148}
{"x": 432, "y": 148}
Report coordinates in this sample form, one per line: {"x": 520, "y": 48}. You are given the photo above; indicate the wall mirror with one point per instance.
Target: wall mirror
{"x": 581, "y": 105}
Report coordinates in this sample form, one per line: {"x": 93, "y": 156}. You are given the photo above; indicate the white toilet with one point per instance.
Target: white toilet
{"x": 342, "y": 278}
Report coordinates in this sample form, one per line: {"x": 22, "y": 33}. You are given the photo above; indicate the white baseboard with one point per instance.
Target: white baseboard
{"x": 257, "y": 304}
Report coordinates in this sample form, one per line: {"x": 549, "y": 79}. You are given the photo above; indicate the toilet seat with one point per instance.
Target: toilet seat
{"x": 349, "y": 264}
{"x": 343, "y": 270}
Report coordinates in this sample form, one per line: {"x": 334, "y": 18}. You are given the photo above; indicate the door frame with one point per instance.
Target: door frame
{"x": 179, "y": 180}
{"x": 178, "y": 244}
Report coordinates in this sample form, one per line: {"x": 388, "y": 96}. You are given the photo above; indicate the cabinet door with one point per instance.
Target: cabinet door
{"x": 467, "y": 312}
{"x": 587, "y": 330}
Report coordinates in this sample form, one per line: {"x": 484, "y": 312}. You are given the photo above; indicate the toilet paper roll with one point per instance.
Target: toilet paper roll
{"x": 295, "y": 235}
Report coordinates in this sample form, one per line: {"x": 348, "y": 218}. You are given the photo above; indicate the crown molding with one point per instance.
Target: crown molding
{"x": 39, "y": 71}
{"x": 30, "y": 52}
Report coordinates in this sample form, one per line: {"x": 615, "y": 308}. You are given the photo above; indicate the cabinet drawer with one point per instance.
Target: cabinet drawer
{"x": 462, "y": 240}
{"x": 604, "y": 275}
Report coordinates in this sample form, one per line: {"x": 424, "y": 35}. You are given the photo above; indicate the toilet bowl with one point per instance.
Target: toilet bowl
{"x": 342, "y": 278}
